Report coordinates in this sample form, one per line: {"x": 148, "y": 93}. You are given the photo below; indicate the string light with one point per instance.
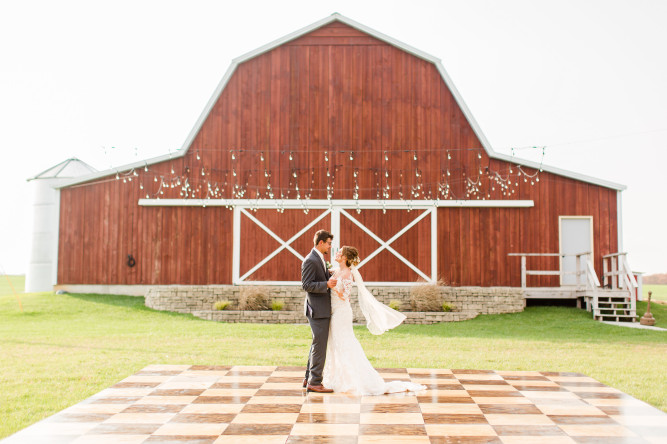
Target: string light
{"x": 454, "y": 181}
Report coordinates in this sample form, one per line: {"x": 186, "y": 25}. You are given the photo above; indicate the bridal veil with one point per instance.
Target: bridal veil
{"x": 379, "y": 317}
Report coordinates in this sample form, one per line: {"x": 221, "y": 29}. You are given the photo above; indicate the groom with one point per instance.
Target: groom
{"x": 317, "y": 282}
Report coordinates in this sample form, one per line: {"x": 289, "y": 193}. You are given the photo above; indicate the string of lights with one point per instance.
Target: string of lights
{"x": 286, "y": 180}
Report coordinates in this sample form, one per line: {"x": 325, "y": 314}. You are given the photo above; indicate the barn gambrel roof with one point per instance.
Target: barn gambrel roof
{"x": 380, "y": 36}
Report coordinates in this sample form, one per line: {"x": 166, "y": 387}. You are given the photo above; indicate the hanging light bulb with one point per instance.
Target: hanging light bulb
{"x": 146, "y": 168}
{"x": 117, "y": 176}
{"x": 141, "y": 186}
{"x": 155, "y": 179}
{"x": 351, "y": 155}
{"x": 386, "y": 156}
{"x": 449, "y": 156}
{"x": 479, "y": 155}
{"x": 414, "y": 155}
{"x": 233, "y": 156}
{"x": 290, "y": 155}
{"x": 198, "y": 158}
{"x": 326, "y": 156}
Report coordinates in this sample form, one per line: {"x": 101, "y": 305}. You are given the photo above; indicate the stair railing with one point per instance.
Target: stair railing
{"x": 592, "y": 281}
{"x": 618, "y": 275}
{"x": 585, "y": 277}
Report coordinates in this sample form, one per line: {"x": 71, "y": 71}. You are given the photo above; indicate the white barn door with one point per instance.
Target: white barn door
{"x": 269, "y": 246}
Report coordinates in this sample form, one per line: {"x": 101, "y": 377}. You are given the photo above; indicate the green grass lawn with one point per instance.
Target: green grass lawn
{"x": 659, "y": 292}
{"x": 65, "y": 348}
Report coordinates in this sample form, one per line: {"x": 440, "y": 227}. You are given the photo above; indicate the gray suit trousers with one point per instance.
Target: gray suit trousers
{"x": 318, "y": 350}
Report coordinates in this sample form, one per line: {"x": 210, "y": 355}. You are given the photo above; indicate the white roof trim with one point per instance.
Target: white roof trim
{"x": 403, "y": 46}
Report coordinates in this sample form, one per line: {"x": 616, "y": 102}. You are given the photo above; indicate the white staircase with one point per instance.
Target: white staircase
{"x": 615, "y": 301}
{"x": 614, "y": 305}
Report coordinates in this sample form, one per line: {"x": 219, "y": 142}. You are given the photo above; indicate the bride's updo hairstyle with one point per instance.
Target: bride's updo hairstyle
{"x": 351, "y": 255}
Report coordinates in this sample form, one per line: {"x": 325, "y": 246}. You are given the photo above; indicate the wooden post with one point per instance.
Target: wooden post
{"x": 523, "y": 271}
{"x": 605, "y": 277}
{"x": 614, "y": 272}
{"x": 578, "y": 270}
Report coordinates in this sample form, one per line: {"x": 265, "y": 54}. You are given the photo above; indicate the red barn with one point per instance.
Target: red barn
{"x": 334, "y": 126}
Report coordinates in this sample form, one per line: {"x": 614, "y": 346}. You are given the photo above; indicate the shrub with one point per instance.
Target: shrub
{"x": 277, "y": 305}
{"x": 254, "y": 298}
{"x": 221, "y": 305}
{"x": 447, "y": 307}
{"x": 395, "y": 304}
{"x": 427, "y": 297}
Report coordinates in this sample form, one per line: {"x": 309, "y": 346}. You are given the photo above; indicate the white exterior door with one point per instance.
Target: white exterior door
{"x": 576, "y": 236}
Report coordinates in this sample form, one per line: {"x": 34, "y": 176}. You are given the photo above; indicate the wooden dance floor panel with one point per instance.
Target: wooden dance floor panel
{"x": 242, "y": 404}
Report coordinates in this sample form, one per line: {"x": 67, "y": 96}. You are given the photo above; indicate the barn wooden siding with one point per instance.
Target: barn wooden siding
{"x": 336, "y": 90}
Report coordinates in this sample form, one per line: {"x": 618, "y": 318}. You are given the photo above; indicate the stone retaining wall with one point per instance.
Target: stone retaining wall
{"x": 467, "y": 303}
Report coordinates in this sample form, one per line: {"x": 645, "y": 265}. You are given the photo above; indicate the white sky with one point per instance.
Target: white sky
{"x": 586, "y": 78}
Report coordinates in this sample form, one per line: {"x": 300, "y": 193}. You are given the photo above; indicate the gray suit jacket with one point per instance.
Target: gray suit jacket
{"x": 314, "y": 279}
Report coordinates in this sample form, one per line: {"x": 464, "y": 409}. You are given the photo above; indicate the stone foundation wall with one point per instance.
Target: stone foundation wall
{"x": 467, "y": 303}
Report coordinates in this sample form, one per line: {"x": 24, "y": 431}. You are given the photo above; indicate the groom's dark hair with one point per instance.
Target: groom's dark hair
{"x": 322, "y": 235}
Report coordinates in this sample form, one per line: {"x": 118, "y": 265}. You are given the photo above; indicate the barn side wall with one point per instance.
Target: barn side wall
{"x": 334, "y": 100}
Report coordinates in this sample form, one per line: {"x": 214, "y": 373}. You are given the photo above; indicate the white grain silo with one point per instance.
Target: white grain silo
{"x": 43, "y": 262}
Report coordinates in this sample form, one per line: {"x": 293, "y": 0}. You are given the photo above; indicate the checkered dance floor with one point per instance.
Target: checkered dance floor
{"x": 198, "y": 404}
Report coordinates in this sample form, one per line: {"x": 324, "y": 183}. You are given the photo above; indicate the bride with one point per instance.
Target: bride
{"x": 347, "y": 369}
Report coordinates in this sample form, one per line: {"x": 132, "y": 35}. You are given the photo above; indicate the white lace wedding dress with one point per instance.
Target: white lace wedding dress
{"x": 347, "y": 369}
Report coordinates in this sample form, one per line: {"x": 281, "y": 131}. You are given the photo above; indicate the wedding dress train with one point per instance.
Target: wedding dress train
{"x": 347, "y": 369}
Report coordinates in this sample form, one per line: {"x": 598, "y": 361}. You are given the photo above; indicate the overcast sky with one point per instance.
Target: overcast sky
{"x": 585, "y": 78}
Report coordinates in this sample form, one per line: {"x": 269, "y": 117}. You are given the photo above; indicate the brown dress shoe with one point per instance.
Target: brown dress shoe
{"x": 305, "y": 383}
{"x": 319, "y": 389}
